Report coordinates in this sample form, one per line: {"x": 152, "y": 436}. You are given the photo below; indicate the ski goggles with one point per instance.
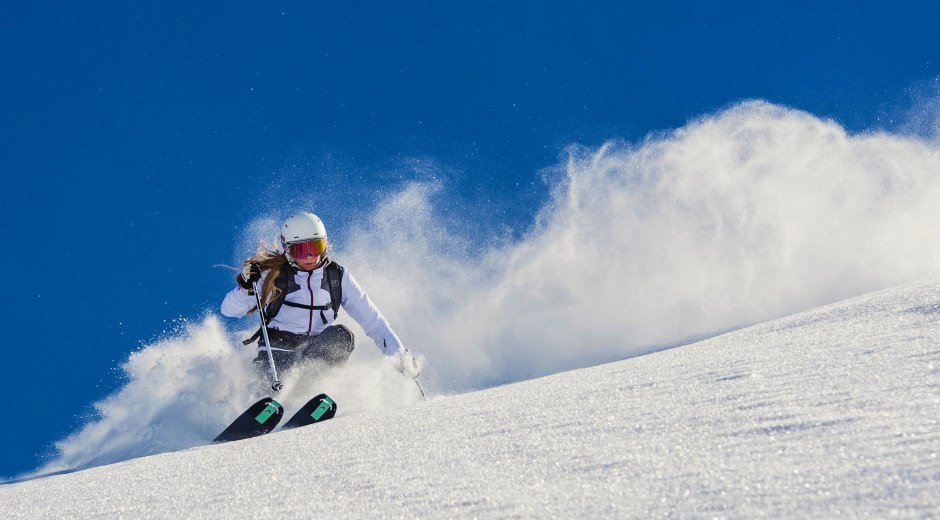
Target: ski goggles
{"x": 302, "y": 250}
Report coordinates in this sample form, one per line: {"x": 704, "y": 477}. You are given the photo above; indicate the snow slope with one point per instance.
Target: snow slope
{"x": 829, "y": 412}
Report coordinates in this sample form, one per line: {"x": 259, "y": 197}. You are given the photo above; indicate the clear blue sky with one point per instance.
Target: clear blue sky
{"x": 134, "y": 138}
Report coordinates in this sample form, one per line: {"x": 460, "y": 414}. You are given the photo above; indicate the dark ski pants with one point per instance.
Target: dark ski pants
{"x": 332, "y": 347}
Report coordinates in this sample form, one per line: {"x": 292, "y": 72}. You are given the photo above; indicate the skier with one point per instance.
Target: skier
{"x": 302, "y": 290}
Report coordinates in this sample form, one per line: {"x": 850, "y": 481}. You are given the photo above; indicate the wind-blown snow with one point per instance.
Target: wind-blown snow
{"x": 742, "y": 216}
{"x": 832, "y": 412}
{"x": 184, "y": 390}
{"x": 746, "y": 215}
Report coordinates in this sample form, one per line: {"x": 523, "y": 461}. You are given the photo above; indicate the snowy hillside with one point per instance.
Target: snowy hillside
{"x": 830, "y": 412}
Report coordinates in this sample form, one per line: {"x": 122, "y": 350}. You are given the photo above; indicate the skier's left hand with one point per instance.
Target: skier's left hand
{"x": 406, "y": 363}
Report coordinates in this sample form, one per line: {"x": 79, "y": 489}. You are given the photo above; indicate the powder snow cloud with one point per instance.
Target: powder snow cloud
{"x": 745, "y": 215}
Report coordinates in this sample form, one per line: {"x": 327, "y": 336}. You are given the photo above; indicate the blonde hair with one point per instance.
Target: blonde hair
{"x": 272, "y": 261}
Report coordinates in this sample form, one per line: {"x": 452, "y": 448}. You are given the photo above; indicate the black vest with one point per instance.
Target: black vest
{"x": 332, "y": 283}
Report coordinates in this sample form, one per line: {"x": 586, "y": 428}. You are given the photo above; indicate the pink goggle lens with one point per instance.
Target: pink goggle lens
{"x": 301, "y": 250}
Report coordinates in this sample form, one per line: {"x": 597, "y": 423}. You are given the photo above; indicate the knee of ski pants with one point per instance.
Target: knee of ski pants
{"x": 338, "y": 335}
{"x": 333, "y": 345}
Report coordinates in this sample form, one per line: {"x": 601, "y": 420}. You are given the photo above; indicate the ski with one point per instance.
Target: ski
{"x": 318, "y": 409}
{"x": 259, "y": 419}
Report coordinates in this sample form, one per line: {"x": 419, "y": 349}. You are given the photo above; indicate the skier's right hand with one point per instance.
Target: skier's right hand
{"x": 250, "y": 274}
{"x": 407, "y": 364}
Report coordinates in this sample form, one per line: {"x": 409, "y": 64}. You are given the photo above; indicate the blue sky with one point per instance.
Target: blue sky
{"x": 137, "y": 142}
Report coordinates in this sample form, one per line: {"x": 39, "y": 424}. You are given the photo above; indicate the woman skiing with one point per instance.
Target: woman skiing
{"x": 303, "y": 290}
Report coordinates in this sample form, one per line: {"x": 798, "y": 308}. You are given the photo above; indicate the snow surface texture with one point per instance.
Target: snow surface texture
{"x": 832, "y": 412}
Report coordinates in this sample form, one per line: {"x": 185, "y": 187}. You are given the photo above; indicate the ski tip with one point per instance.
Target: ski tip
{"x": 318, "y": 409}
{"x": 259, "y": 419}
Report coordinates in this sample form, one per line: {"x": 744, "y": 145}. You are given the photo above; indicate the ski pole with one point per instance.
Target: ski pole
{"x": 276, "y": 385}
{"x": 424, "y": 395}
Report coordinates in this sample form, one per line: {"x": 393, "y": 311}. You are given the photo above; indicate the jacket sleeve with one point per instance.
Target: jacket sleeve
{"x": 238, "y": 302}
{"x": 358, "y": 304}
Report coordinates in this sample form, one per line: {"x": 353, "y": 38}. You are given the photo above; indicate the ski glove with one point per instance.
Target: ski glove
{"x": 250, "y": 274}
{"x": 406, "y": 363}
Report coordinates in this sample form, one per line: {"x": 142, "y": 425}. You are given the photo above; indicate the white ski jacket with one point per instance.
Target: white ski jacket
{"x": 311, "y": 322}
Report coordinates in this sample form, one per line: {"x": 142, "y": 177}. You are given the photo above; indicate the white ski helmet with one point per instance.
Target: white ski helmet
{"x": 302, "y": 227}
